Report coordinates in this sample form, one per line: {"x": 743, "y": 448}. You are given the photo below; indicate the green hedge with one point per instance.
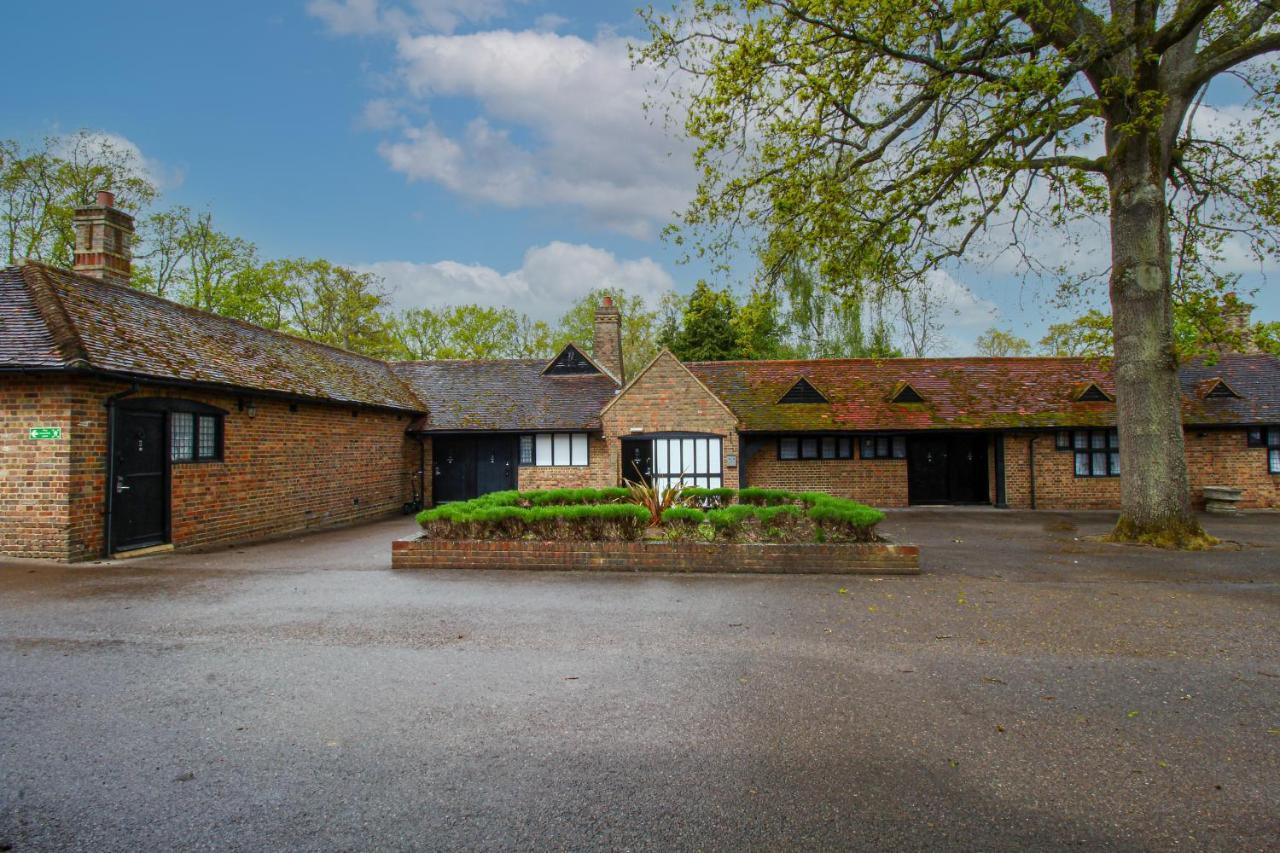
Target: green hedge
{"x": 758, "y": 515}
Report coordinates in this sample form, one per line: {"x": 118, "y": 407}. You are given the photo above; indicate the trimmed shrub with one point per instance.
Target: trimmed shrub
{"x": 764, "y": 497}
{"x": 761, "y": 515}
{"x": 709, "y": 497}
{"x": 565, "y": 497}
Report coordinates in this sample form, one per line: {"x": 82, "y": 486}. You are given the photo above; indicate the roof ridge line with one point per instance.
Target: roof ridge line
{"x": 190, "y": 309}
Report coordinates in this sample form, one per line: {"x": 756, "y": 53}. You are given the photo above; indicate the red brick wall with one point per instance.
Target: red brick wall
{"x": 596, "y": 474}
{"x": 35, "y": 476}
{"x": 656, "y": 556}
{"x": 1219, "y": 457}
{"x": 667, "y": 398}
{"x": 878, "y": 482}
{"x": 1222, "y": 457}
{"x": 282, "y": 471}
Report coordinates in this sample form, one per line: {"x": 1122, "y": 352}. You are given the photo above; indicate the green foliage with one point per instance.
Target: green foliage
{"x": 482, "y": 519}
{"x": 763, "y": 497}
{"x": 575, "y": 496}
{"x": 614, "y": 513}
{"x": 706, "y": 331}
{"x": 708, "y": 497}
{"x": 997, "y": 343}
{"x": 685, "y": 516}
{"x": 1086, "y": 336}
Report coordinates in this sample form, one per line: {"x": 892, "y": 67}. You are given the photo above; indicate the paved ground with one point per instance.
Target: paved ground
{"x": 1034, "y": 688}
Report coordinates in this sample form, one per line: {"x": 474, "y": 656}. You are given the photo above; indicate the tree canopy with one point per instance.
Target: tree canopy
{"x": 884, "y": 140}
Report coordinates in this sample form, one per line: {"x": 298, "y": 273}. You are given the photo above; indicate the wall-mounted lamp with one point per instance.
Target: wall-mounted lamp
{"x": 251, "y": 409}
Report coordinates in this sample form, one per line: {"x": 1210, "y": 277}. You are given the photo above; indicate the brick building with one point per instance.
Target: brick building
{"x": 129, "y": 422}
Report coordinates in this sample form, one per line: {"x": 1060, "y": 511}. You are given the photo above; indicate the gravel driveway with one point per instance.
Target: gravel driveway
{"x": 1033, "y": 688}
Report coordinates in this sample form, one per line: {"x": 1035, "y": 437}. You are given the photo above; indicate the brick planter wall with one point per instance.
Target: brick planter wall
{"x": 876, "y": 558}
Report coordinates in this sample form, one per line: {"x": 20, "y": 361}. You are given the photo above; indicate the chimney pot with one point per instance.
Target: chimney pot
{"x": 608, "y": 301}
{"x": 106, "y": 198}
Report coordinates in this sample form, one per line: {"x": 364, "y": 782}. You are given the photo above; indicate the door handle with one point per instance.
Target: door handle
{"x": 120, "y": 486}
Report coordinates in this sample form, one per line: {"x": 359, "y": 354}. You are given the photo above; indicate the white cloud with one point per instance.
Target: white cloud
{"x": 162, "y": 176}
{"x": 549, "y": 280}
{"x": 380, "y": 114}
{"x": 955, "y": 315}
{"x": 373, "y": 17}
{"x": 556, "y": 120}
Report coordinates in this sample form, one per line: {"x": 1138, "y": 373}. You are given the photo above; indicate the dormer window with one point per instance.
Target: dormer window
{"x": 803, "y": 392}
{"x": 904, "y": 393}
{"x": 570, "y": 361}
{"x": 1090, "y": 392}
{"x": 1218, "y": 388}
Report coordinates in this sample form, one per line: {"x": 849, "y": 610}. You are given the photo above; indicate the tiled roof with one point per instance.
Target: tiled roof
{"x": 66, "y": 320}
{"x": 25, "y": 339}
{"x": 512, "y": 394}
{"x": 970, "y": 393}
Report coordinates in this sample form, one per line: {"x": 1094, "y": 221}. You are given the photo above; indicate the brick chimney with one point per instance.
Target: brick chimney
{"x": 1236, "y": 314}
{"x": 607, "y": 346}
{"x": 104, "y": 236}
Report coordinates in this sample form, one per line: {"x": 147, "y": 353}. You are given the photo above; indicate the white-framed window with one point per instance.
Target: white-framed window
{"x": 554, "y": 448}
{"x": 688, "y": 461}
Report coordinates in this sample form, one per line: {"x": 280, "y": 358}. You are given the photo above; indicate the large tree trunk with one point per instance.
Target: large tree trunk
{"x": 1154, "y": 492}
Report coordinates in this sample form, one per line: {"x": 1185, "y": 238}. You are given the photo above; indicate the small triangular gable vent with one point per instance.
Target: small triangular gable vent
{"x": 1091, "y": 393}
{"x": 904, "y": 393}
{"x": 570, "y": 361}
{"x": 1218, "y": 388}
{"x": 803, "y": 392}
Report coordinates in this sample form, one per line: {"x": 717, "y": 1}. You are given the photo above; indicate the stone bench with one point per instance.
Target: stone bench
{"x": 1222, "y": 499}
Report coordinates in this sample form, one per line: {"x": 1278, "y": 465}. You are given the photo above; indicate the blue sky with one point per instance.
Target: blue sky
{"x": 468, "y": 150}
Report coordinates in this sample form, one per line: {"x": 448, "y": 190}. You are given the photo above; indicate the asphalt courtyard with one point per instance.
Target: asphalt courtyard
{"x": 1033, "y": 688}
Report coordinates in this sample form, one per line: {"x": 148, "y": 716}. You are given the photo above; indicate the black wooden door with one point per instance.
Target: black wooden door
{"x": 927, "y": 470}
{"x": 968, "y": 463}
{"x": 495, "y": 464}
{"x": 452, "y": 476}
{"x": 140, "y": 503}
{"x": 637, "y": 460}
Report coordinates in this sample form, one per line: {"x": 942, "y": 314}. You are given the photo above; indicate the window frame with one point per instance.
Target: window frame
{"x": 199, "y": 421}
{"x": 537, "y": 442}
{"x": 1266, "y": 438}
{"x": 817, "y": 444}
{"x": 894, "y": 446}
{"x": 1086, "y": 445}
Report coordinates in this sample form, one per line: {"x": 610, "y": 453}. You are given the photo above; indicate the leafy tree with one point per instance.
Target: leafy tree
{"x": 998, "y": 343}
{"x": 469, "y": 331}
{"x": 534, "y": 339}
{"x": 323, "y": 302}
{"x": 822, "y": 323}
{"x": 882, "y": 138}
{"x": 1203, "y": 325}
{"x": 1089, "y": 335}
{"x": 40, "y": 189}
{"x": 758, "y": 327}
{"x": 707, "y": 331}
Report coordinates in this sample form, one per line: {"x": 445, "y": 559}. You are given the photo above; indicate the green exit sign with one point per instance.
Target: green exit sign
{"x": 46, "y": 433}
